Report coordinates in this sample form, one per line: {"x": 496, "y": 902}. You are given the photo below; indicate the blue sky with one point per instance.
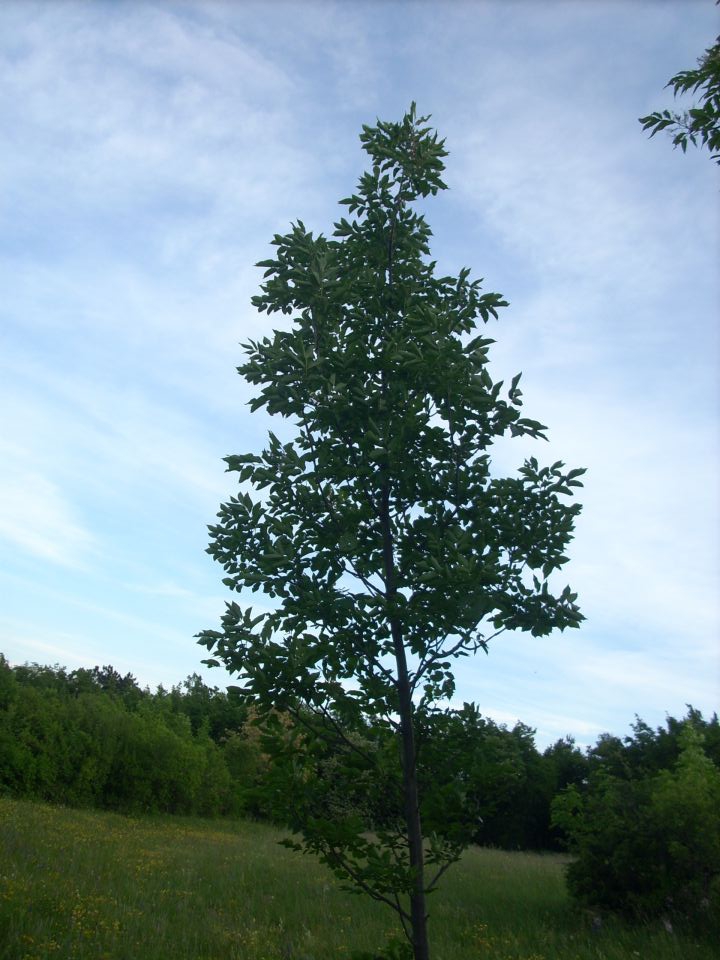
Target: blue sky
{"x": 150, "y": 152}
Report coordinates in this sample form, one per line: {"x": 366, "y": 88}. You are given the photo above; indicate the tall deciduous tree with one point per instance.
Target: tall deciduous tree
{"x": 388, "y": 545}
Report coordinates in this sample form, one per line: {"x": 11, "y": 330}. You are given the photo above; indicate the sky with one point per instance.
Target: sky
{"x": 150, "y": 151}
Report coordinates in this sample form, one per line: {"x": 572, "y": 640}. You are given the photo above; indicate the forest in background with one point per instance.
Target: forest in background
{"x": 95, "y": 738}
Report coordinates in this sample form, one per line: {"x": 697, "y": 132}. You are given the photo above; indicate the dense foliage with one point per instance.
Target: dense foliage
{"x": 645, "y": 826}
{"x": 95, "y": 738}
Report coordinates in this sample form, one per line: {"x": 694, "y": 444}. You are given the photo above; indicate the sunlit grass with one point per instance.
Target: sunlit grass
{"x": 83, "y": 885}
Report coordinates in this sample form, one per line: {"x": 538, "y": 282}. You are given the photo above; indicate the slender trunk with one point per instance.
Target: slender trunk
{"x": 418, "y": 913}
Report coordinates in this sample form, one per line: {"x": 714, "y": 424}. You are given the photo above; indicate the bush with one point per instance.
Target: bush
{"x": 647, "y": 844}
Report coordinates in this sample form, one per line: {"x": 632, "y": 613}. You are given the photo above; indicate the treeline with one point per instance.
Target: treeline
{"x": 96, "y": 738}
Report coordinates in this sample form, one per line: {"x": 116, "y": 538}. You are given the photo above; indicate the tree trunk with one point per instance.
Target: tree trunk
{"x": 418, "y": 913}
{"x": 413, "y": 825}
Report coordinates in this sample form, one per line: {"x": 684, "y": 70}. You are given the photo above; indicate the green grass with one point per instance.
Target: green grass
{"x": 84, "y": 885}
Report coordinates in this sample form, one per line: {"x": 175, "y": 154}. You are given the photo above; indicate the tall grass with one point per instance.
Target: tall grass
{"x": 84, "y": 885}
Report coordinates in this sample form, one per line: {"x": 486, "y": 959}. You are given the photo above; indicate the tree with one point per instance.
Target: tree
{"x": 700, "y": 122}
{"x": 388, "y": 545}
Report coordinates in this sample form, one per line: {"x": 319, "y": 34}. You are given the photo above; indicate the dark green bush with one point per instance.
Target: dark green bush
{"x": 647, "y": 843}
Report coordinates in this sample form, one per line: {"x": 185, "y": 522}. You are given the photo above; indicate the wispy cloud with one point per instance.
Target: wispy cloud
{"x": 37, "y": 518}
{"x": 151, "y": 152}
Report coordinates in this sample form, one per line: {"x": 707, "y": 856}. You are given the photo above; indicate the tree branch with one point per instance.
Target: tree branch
{"x": 336, "y": 858}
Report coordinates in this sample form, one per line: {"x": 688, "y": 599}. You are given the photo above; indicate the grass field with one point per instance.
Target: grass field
{"x": 84, "y": 885}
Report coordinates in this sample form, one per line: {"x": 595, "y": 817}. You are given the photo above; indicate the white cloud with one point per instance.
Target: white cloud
{"x": 36, "y": 516}
{"x": 74, "y": 650}
{"x": 62, "y": 648}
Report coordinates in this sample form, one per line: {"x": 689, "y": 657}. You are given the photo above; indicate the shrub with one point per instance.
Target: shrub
{"x": 647, "y": 844}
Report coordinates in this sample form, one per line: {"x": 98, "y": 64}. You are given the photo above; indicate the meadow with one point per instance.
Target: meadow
{"x": 88, "y": 885}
